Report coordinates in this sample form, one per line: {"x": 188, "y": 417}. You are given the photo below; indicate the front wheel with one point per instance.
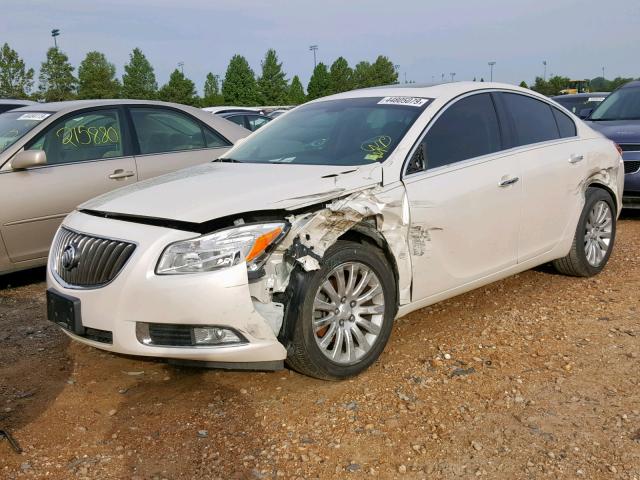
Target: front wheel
{"x": 594, "y": 237}
{"x": 342, "y": 314}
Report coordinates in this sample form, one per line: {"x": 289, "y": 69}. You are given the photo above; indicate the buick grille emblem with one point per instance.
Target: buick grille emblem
{"x": 70, "y": 257}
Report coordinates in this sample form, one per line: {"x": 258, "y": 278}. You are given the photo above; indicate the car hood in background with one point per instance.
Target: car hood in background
{"x": 218, "y": 189}
{"x": 620, "y": 131}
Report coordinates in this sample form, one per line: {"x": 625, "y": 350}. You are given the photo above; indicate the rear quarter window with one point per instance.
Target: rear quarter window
{"x": 566, "y": 126}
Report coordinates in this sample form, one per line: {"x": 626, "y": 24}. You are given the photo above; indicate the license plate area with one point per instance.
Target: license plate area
{"x": 65, "y": 311}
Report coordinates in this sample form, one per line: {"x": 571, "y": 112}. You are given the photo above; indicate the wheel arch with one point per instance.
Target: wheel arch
{"x": 606, "y": 188}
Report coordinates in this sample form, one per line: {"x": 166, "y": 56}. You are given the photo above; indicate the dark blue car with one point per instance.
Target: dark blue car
{"x": 618, "y": 118}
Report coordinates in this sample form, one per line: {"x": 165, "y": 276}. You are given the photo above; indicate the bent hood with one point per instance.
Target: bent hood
{"x": 217, "y": 189}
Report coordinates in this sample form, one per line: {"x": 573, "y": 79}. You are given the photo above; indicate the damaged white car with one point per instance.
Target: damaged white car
{"x": 306, "y": 241}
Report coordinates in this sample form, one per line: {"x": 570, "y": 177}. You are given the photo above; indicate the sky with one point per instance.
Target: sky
{"x": 426, "y": 38}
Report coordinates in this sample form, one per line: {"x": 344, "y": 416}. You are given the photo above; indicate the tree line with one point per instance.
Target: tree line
{"x": 556, "y": 83}
{"x": 96, "y": 79}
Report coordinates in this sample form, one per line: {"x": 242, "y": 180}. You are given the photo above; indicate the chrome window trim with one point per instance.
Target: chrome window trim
{"x": 489, "y": 156}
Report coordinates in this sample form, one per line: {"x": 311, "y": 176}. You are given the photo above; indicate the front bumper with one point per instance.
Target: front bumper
{"x": 631, "y": 195}
{"x": 137, "y": 294}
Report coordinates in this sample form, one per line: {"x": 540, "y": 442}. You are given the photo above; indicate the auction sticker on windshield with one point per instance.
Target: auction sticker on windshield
{"x": 33, "y": 116}
{"x": 411, "y": 101}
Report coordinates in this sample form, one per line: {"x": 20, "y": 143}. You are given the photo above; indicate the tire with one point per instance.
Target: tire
{"x": 312, "y": 324}
{"x": 579, "y": 262}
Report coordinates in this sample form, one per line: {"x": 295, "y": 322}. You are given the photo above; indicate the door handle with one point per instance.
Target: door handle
{"x": 120, "y": 174}
{"x": 508, "y": 181}
{"x": 576, "y": 158}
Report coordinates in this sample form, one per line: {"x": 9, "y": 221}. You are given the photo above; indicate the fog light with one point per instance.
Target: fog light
{"x": 214, "y": 336}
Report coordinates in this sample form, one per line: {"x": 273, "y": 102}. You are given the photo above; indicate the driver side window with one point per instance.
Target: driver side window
{"x": 86, "y": 136}
{"x": 467, "y": 129}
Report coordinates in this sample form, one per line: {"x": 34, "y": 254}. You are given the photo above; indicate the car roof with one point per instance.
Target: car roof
{"x": 632, "y": 84}
{"x": 14, "y": 101}
{"x": 448, "y": 90}
{"x": 77, "y": 104}
{"x": 582, "y": 95}
{"x": 231, "y": 108}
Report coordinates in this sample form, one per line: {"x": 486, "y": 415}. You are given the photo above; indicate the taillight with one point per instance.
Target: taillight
{"x": 619, "y": 148}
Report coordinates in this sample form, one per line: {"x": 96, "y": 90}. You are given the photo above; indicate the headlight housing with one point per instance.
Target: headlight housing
{"x": 224, "y": 248}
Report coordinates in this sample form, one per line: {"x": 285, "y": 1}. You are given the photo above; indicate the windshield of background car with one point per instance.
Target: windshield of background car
{"x": 623, "y": 104}
{"x": 575, "y": 105}
{"x": 352, "y": 131}
{"x": 13, "y": 125}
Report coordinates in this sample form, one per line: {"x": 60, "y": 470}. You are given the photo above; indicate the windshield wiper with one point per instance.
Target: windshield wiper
{"x": 227, "y": 160}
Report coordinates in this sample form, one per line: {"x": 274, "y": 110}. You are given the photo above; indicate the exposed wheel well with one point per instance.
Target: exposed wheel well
{"x": 366, "y": 231}
{"x": 606, "y": 189}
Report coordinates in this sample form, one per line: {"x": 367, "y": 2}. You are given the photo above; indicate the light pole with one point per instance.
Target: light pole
{"x": 602, "y": 73}
{"x": 491, "y": 64}
{"x": 314, "y": 48}
{"x": 181, "y": 65}
{"x": 54, "y": 33}
{"x": 453, "y": 74}
{"x": 544, "y": 62}
{"x": 443, "y": 77}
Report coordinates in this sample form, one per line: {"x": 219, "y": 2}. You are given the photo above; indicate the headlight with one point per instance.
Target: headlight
{"x": 224, "y": 248}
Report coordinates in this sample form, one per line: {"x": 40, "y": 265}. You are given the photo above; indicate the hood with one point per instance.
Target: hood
{"x": 620, "y": 131}
{"x": 213, "y": 190}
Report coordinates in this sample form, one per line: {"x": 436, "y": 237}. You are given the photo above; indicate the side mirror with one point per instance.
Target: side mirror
{"x": 29, "y": 158}
{"x": 585, "y": 112}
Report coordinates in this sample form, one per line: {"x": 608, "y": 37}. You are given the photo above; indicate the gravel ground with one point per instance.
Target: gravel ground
{"x": 536, "y": 376}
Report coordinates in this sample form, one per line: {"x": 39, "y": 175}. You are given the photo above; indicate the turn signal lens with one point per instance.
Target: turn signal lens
{"x": 261, "y": 243}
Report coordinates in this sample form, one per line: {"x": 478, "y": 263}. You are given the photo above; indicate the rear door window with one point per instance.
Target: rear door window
{"x": 533, "y": 120}
{"x": 467, "y": 129}
{"x": 91, "y": 135}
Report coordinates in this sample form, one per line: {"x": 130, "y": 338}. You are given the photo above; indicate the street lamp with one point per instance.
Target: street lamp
{"x": 544, "y": 62}
{"x": 54, "y": 33}
{"x": 181, "y": 65}
{"x": 602, "y": 73}
{"x": 491, "y": 64}
{"x": 314, "y": 48}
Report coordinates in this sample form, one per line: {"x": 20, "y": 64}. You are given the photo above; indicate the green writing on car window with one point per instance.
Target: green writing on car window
{"x": 376, "y": 147}
{"x": 81, "y": 136}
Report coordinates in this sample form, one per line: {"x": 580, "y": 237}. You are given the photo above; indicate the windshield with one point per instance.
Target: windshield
{"x": 352, "y": 131}
{"x": 623, "y": 104}
{"x": 13, "y": 125}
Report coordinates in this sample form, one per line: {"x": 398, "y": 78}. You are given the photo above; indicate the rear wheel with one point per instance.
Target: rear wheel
{"x": 342, "y": 313}
{"x": 594, "y": 237}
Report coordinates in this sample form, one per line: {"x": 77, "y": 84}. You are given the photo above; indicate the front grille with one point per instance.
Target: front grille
{"x": 170, "y": 335}
{"x": 630, "y": 147}
{"x": 82, "y": 260}
{"x": 631, "y": 166}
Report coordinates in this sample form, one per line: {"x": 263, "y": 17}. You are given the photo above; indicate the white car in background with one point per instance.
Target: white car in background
{"x": 308, "y": 239}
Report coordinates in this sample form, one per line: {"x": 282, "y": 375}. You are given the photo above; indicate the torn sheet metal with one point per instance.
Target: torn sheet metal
{"x": 311, "y": 234}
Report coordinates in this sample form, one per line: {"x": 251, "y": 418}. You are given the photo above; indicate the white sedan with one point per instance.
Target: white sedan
{"x": 307, "y": 240}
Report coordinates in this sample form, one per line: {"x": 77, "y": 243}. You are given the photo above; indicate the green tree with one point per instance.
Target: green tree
{"x": 340, "y": 76}
{"x": 551, "y": 87}
{"x": 383, "y": 72}
{"x": 212, "y": 96}
{"x": 363, "y": 75}
{"x": 97, "y": 77}
{"x": 319, "y": 82}
{"x": 139, "y": 79}
{"x": 296, "y": 92}
{"x": 16, "y": 80}
{"x": 618, "y": 82}
{"x": 179, "y": 89}
{"x": 56, "y": 80}
{"x": 523, "y": 84}
{"x": 272, "y": 84}
{"x": 239, "y": 87}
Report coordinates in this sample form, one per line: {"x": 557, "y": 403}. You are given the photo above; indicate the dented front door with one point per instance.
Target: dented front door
{"x": 464, "y": 223}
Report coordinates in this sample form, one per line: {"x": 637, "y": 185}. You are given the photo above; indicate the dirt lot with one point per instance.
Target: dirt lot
{"x": 537, "y": 376}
